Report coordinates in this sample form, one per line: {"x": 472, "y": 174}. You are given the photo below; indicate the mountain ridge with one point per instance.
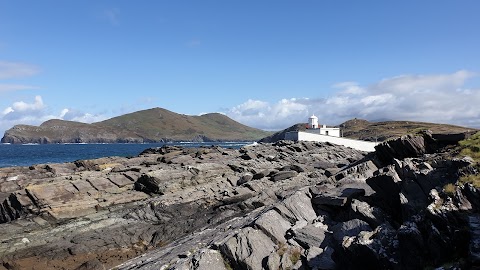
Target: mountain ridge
{"x": 151, "y": 125}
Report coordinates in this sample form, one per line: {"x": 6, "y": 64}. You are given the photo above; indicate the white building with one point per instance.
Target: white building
{"x": 316, "y": 133}
{"x": 315, "y": 128}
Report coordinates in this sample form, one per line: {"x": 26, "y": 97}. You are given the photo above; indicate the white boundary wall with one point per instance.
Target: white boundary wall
{"x": 355, "y": 144}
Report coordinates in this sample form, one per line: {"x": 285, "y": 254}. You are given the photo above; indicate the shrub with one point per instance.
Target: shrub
{"x": 449, "y": 189}
{"x": 295, "y": 254}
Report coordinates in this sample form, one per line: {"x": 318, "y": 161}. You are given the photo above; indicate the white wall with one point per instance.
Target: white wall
{"x": 331, "y": 131}
{"x": 355, "y": 144}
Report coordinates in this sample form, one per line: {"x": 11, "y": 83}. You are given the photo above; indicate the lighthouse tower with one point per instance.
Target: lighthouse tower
{"x": 313, "y": 122}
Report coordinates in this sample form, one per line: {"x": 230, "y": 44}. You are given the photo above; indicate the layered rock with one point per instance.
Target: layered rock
{"x": 90, "y": 210}
{"x": 379, "y": 215}
{"x": 285, "y": 205}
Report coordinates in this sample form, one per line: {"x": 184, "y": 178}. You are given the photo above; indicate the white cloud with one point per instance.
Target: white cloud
{"x": 78, "y": 116}
{"x": 21, "y": 109}
{"x": 263, "y": 115}
{"x": 36, "y": 112}
{"x": 23, "y": 106}
{"x": 10, "y": 70}
{"x": 440, "y": 98}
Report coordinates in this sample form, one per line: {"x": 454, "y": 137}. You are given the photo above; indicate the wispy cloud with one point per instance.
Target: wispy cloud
{"x": 112, "y": 15}
{"x": 15, "y": 87}
{"x": 12, "y": 70}
{"x": 441, "y": 98}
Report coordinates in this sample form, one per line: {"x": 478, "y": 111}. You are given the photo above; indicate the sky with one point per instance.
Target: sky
{"x": 268, "y": 64}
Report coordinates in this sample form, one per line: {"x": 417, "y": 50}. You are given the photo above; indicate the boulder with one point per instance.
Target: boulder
{"x": 245, "y": 178}
{"x": 282, "y": 175}
{"x": 274, "y": 225}
{"x": 248, "y": 248}
{"x": 312, "y": 235}
{"x": 349, "y": 228}
{"x": 297, "y": 207}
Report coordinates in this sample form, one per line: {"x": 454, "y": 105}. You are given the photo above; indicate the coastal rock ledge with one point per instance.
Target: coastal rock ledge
{"x": 286, "y": 205}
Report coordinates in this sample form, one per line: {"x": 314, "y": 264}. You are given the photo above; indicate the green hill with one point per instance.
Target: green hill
{"x": 381, "y": 131}
{"x": 153, "y": 125}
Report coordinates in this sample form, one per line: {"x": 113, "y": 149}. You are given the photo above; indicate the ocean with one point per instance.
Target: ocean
{"x": 31, "y": 154}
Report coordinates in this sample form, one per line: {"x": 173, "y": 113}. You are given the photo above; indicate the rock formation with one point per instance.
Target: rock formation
{"x": 286, "y": 205}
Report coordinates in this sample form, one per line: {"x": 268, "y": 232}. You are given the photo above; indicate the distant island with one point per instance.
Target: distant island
{"x": 146, "y": 126}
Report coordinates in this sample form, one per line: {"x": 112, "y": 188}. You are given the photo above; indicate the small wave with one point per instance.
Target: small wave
{"x": 252, "y": 144}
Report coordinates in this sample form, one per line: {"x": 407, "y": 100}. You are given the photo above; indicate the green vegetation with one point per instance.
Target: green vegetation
{"x": 382, "y": 131}
{"x": 472, "y": 179}
{"x": 471, "y": 147}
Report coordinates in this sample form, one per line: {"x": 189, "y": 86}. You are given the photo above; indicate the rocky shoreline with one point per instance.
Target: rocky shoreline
{"x": 282, "y": 205}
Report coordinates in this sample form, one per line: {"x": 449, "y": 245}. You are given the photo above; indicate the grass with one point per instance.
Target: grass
{"x": 295, "y": 255}
{"x": 282, "y": 248}
{"x": 449, "y": 189}
{"x": 472, "y": 179}
{"x": 471, "y": 147}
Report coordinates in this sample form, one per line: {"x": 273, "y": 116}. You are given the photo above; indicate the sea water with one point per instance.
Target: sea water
{"x": 31, "y": 154}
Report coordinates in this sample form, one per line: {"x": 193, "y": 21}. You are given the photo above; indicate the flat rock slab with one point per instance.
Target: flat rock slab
{"x": 120, "y": 180}
{"x": 52, "y": 193}
{"x": 102, "y": 184}
{"x": 311, "y": 235}
{"x": 83, "y": 186}
{"x": 297, "y": 207}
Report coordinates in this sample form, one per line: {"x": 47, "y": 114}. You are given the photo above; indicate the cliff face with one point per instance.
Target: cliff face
{"x": 154, "y": 125}
{"x": 285, "y": 205}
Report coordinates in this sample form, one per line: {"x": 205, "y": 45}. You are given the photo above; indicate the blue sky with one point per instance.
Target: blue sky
{"x": 268, "y": 64}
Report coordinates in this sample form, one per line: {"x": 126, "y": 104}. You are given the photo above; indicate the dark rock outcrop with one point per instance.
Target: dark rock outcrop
{"x": 283, "y": 207}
